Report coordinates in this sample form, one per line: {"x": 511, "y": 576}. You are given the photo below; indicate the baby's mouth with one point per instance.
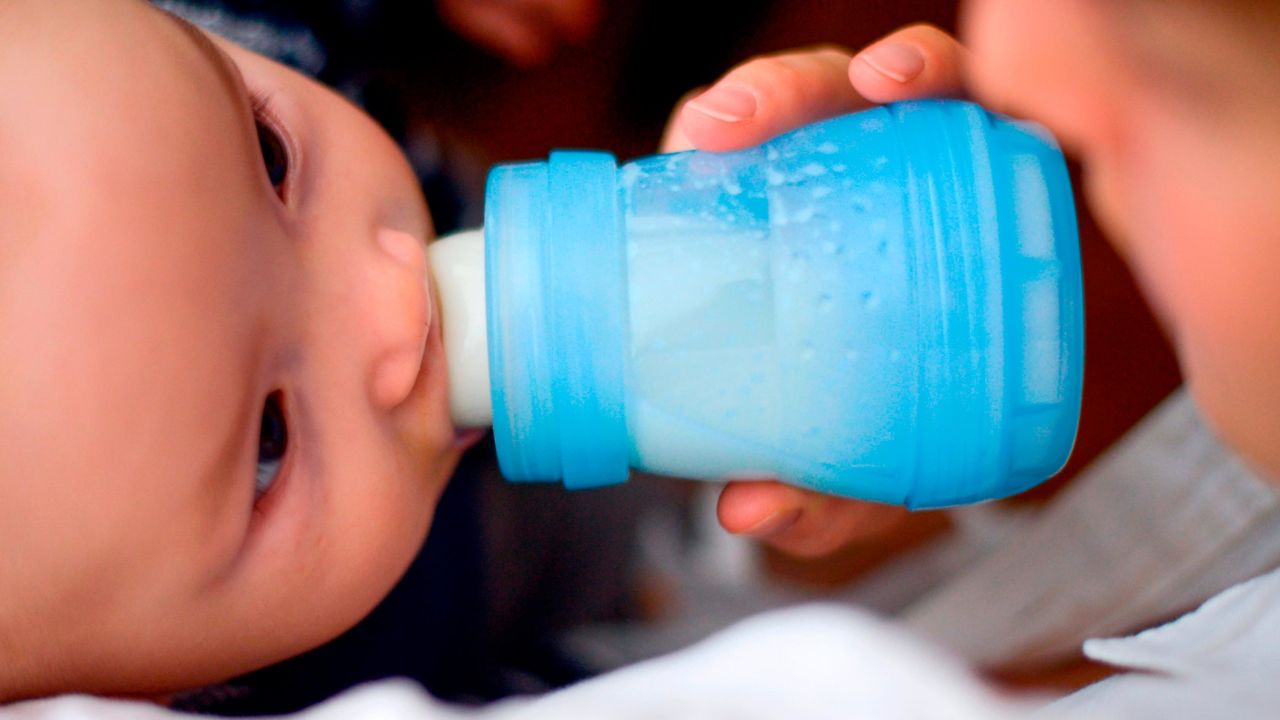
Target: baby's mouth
{"x": 400, "y": 371}
{"x": 465, "y": 438}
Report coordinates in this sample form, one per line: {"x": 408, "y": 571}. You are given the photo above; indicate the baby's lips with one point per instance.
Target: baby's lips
{"x": 399, "y": 371}
{"x": 410, "y": 250}
{"x": 397, "y": 374}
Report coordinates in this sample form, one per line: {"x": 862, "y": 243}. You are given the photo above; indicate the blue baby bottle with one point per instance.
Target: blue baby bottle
{"x": 885, "y": 305}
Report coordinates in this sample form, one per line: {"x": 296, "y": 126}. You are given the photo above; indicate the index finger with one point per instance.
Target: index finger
{"x": 776, "y": 93}
{"x": 767, "y": 96}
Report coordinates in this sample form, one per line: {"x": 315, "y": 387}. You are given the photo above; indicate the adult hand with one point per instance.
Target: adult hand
{"x": 753, "y": 102}
{"x": 771, "y": 94}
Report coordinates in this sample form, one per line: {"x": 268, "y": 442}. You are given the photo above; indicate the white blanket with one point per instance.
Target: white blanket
{"x": 832, "y": 662}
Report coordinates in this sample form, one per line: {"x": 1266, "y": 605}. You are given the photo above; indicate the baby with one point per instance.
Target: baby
{"x": 222, "y": 413}
{"x": 223, "y": 419}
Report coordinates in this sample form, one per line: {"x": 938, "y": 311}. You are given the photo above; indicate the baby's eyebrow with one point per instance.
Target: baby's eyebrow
{"x": 227, "y": 73}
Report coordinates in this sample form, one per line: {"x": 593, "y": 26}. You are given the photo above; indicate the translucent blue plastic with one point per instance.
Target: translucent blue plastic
{"x": 886, "y": 305}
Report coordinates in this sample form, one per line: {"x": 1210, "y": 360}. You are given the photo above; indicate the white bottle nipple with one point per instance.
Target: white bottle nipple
{"x": 457, "y": 266}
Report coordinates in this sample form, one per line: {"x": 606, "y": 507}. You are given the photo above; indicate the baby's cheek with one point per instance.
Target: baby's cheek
{"x": 1205, "y": 247}
{"x": 388, "y": 520}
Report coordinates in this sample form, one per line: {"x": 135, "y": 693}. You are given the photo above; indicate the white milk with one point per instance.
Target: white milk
{"x": 747, "y": 358}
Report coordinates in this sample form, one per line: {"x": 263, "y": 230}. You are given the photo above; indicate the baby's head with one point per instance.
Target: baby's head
{"x": 1174, "y": 106}
{"x": 222, "y": 412}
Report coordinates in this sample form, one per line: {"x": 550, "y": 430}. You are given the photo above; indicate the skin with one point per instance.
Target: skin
{"x": 155, "y": 288}
{"x": 1174, "y": 111}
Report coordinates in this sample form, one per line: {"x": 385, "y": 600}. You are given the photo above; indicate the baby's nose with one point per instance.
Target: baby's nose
{"x": 403, "y": 316}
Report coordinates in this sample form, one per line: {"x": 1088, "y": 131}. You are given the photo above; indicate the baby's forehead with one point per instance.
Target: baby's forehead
{"x": 129, "y": 184}
{"x": 89, "y": 72}
{"x": 110, "y": 109}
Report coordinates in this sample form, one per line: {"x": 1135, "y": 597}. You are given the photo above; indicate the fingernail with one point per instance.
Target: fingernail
{"x": 726, "y": 102}
{"x": 894, "y": 60}
{"x": 773, "y": 523}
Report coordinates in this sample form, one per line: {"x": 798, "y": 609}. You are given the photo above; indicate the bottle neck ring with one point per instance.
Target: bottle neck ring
{"x": 557, "y": 319}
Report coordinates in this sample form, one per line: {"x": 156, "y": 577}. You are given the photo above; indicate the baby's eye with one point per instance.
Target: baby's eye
{"x": 273, "y": 441}
{"x": 275, "y": 158}
{"x": 275, "y": 152}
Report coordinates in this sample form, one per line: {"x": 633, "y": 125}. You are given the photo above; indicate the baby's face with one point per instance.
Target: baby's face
{"x": 222, "y": 412}
{"x": 1174, "y": 108}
